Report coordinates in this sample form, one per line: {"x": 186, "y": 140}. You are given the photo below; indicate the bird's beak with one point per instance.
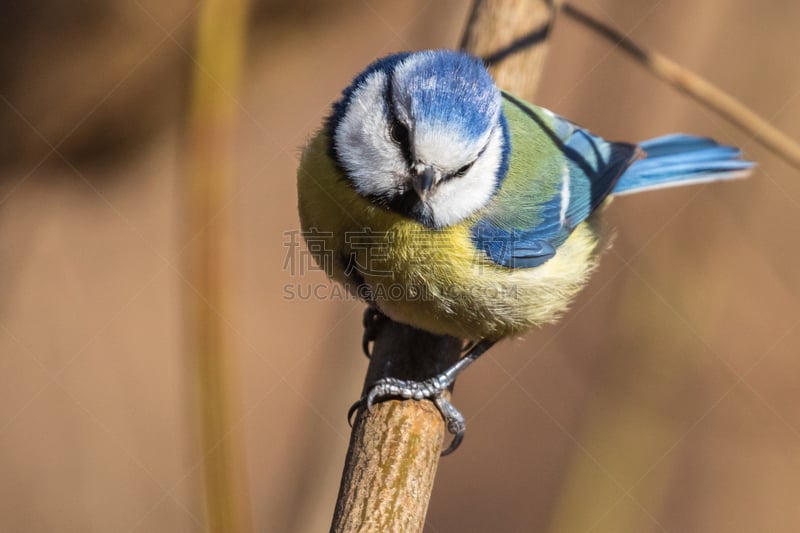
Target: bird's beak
{"x": 424, "y": 181}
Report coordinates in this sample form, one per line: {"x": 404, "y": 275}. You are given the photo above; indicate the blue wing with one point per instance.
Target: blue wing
{"x": 574, "y": 171}
{"x": 581, "y": 171}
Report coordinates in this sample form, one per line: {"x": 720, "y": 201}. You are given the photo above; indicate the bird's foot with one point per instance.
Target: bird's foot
{"x": 433, "y": 389}
{"x": 373, "y": 323}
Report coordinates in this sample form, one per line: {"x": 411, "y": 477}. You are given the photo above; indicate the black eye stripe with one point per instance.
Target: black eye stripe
{"x": 398, "y": 131}
{"x": 458, "y": 173}
{"x": 463, "y": 170}
{"x": 399, "y": 134}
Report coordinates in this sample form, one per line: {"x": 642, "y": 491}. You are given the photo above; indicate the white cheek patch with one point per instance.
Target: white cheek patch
{"x": 458, "y": 198}
{"x": 373, "y": 161}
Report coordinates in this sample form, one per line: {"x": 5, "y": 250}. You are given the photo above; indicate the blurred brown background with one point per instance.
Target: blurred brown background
{"x": 666, "y": 401}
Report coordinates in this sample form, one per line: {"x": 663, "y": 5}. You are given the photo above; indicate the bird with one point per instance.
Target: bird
{"x": 455, "y": 207}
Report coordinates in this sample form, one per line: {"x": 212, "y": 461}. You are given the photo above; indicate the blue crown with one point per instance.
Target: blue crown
{"x": 447, "y": 87}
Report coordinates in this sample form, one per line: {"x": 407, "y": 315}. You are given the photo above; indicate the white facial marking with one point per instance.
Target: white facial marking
{"x": 457, "y": 198}
{"x": 373, "y": 161}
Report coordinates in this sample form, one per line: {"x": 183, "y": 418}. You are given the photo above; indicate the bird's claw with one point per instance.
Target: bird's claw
{"x": 353, "y": 409}
{"x": 432, "y": 389}
{"x": 373, "y": 322}
{"x": 454, "y": 420}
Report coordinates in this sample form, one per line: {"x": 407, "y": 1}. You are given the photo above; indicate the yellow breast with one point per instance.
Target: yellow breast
{"x": 435, "y": 280}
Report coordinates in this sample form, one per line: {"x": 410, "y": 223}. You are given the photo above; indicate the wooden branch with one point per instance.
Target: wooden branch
{"x": 696, "y": 87}
{"x": 394, "y": 448}
{"x": 511, "y": 36}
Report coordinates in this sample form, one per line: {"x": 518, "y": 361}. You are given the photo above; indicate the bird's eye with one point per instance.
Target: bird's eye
{"x": 463, "y": 170}
{"x": 399, "y": 133}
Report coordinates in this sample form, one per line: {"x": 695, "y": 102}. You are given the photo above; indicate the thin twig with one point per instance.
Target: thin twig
{"x": 696, "y": 87}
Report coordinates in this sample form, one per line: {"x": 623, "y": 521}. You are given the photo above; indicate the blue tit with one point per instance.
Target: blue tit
{"x": 460, "y": 209}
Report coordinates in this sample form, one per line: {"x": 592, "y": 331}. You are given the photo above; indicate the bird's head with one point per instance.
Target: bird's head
{"x": 422, "y": 134}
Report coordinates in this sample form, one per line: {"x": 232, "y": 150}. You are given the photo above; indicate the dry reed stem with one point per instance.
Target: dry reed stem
{"x": 698, "y": 88}
{"x": 219, "y": 54}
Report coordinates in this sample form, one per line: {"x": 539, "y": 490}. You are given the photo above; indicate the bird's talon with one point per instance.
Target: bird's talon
{"x": 365, "y": 346}
{"x": 373, "y": 321}
{"x": 455, "y": 443}
{"x": 454, "y": 421}
{"x": 353, "y": 410}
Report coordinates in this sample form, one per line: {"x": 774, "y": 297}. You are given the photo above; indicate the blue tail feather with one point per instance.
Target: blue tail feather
{"x": 681, "y": 160}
